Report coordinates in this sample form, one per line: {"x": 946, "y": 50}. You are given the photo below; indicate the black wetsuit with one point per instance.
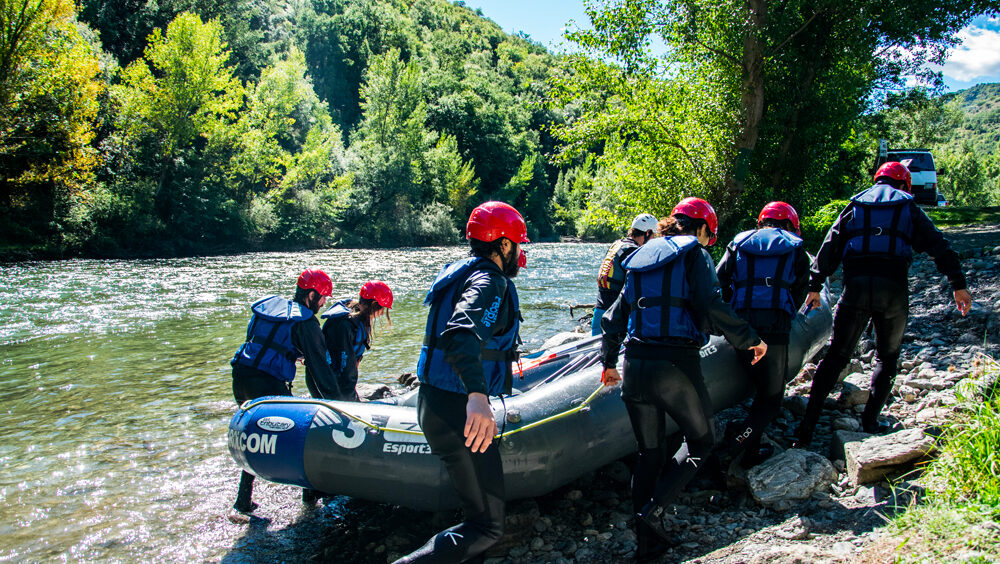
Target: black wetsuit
{"x": 477, "y": 477}
{"x": 875, "y": 289}
{"x": 664, "y": 376}
{"x": 250, "y": 383}
{"x": 340, "y": 334}
{"x": 771, "y": 373}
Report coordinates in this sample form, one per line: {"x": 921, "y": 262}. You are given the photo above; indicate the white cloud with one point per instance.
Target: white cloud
{"x": 978, "y": 56}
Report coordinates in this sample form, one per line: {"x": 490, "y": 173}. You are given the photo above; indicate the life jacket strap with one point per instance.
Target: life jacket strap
{"x": 267, "y": 344}
{"x": 660, "y": 301}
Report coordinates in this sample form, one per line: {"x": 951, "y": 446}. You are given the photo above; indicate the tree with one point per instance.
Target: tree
{"x": 172, "y": 103}
{"x": 50, "y": 83}
{"x": 788, "y": 80}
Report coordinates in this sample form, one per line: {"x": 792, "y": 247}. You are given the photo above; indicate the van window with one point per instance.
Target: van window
{"x": 919, "y": 162}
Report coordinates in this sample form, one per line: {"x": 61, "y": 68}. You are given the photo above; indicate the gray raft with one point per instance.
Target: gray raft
{"x": 553, "y": 434}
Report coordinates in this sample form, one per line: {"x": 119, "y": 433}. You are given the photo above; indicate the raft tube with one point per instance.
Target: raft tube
{"x": 560, "y": 426}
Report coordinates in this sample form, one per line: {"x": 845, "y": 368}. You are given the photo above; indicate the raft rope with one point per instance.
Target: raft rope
{"x": 584, "y": 406}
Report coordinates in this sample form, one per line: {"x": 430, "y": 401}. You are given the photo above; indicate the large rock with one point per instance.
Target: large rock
{"x": 852, "y": 395}
{"x": 840, "y": 439}
{"x": 792, "y": 475}
{"x": 871, "y": 459}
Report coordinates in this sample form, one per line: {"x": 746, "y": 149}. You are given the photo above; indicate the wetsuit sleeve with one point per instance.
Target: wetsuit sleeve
{"x": 725, "y": 271}
{"x": 828, "y": 258}
{"x": 613, "y": 327}
{"x": 474, "y": 321}
{"x": 711, "y": 314}
{"x": 801, "y": 270}
{"x": 308, "y": 339}
{"x": 927, "y": 238}
{"x": 339, "y": 334}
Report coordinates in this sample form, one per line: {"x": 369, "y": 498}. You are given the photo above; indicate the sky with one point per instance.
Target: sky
{"x": 975, "y": 61}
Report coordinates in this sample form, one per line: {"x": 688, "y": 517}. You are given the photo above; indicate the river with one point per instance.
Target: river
{"x": 117, "y": 394}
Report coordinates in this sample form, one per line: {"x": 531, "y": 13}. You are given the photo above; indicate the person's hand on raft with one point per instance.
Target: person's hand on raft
{"x": 813, "y": 301}
{"x": 480, "y": 426}
{"x": 759, "y": 350}
{"x": 610, "y": 377}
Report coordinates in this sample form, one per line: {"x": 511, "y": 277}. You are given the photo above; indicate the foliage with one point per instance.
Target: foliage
{"x": 962, "y": 130}
{"x": 968, "y": 467}
{"x": 229, "y": 124}
{"x": 957, "y": 519}
{"x": 815, "y": 226}
{"x": 50, "y": 84}
{"x": 746, "y": 102}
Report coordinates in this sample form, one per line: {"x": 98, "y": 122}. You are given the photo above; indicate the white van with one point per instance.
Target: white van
{"x": 921, "y": 165}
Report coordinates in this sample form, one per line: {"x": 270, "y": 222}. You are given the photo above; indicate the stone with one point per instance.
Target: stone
{"x": 852, "y": 395}
{"x": 574, "y": 495}
{"x": 931, "y": 415}
{"x": 920, "y": 384}
{"x": 840, "y": 439}
{"x": 796, "y": 404}
{"x": 619, "y": 472}
{"x": 795, "y": 529}
{"x": 873, "y": 458}
{"x": 792, "y": 475}
{"x": 845, "y": 424}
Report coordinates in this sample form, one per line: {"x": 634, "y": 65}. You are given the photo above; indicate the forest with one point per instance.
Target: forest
{"x": 177, "y": 127}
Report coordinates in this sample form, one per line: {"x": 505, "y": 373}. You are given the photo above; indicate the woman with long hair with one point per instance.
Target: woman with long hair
{"x": 669, "y": 304}
{"x": 348, "y": 334}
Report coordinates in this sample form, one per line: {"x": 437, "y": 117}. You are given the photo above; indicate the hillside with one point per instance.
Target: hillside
{"x": 980, "y": 127}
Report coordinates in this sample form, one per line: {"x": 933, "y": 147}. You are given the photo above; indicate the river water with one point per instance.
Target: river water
{"x": 116, "y": 393}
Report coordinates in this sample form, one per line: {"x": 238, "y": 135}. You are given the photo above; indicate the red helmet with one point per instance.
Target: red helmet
{"x": 895, "y": 171}
{"x": 379, "y": 291}
{"x": 699, "y": 209}
{"x": 493, "y": 220}
{"x": 780, "y": 211}
{"x": 316, "y": 279}
{"x": 522, "y": 259}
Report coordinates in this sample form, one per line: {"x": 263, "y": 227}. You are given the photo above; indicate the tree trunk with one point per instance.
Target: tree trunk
{"x": 752, "y": 96}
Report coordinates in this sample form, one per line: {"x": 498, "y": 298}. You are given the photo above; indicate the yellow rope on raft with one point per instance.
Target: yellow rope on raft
{"x": 583, "y": 405}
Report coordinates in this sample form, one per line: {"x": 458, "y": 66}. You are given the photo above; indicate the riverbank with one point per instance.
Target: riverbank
{"x": 589, "y": 520}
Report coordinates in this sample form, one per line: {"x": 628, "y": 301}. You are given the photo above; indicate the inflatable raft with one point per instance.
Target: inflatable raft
{"x": 559, "y": 424}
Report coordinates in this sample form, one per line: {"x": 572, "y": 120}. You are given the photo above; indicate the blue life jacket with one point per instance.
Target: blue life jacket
{"x": 879, "y": 222}
{"x": 656, "y": 288}
{"x": 269, "y": 337}
{"x": 765, "y": 269}
{"x": 360, "y": 345}
{"x": 497, "y": 353}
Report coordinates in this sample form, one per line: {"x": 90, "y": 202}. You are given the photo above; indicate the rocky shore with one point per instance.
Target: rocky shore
{"x": 826, "y": 503}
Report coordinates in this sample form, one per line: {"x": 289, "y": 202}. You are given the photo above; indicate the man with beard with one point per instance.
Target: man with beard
{"x": 470, "y": 342}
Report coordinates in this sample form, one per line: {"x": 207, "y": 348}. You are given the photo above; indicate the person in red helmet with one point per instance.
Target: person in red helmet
{"x": 763, "y": 274}
{"x": 470, "y": 341}
{"x": 280, "y": 332}
{"x": 669, "y": 304}
{"x": 348, "y": 334}
{"x": 875, "y": 238}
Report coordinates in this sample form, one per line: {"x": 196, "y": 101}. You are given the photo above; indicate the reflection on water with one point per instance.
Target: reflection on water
{"x": 116, "y": 392}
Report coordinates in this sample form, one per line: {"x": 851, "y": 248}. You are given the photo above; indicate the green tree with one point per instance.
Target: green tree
{"x": 777, "y": 84}
{"x": 50, "y": 83}
{"x": 172, "y": 104}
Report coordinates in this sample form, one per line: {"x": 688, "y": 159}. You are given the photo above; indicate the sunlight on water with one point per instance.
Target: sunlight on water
{"x": 117, "y": 391}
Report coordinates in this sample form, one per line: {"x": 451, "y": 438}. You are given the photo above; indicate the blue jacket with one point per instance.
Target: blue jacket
{"x": 764, "y": 270}
{"x": 471, "y": 335}
{"x": 879, "y": 222}
{"x": 657, "y": 290}
{"x": 268, "y": 345}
